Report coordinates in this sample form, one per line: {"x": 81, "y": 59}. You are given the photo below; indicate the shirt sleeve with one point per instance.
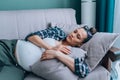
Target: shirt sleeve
{"x": 81, "y": 68}
{"x": 51, "y": 32}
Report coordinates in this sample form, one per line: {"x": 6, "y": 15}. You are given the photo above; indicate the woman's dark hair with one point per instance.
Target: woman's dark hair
{"x": 93, "y": 30}
{"x": 90, "y": 32}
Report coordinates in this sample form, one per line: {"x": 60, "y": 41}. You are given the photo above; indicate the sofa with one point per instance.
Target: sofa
{"x": 17, "y": 24}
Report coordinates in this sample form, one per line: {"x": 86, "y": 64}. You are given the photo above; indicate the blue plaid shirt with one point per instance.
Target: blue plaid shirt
{"x": 51, "y": 32}
{"x": 81, "y": 68}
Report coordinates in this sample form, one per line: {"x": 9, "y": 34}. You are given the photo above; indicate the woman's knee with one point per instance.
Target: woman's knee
{"x": 11, "y": 73}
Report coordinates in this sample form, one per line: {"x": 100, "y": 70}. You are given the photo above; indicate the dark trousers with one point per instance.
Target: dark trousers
{"x": 9, "y": 69}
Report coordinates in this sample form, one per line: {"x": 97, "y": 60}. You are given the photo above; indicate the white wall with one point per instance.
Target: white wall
{"x": 88, "y": 11}
{"x": 116, "y": 28}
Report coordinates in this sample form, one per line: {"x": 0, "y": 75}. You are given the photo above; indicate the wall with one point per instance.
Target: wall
{"x": 41, "y": 4}
{"x": 116, "y": 27}
{"x": 88, "y": 12}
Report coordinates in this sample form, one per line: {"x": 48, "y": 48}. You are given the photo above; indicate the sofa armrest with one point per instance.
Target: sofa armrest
{"x": 115, "y": 53}
{"x": 110, "y": 57}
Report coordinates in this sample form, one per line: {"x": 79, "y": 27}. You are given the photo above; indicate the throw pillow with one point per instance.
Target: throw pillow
{"x": 55, "y": 70}
{"x": 97, "y": 47}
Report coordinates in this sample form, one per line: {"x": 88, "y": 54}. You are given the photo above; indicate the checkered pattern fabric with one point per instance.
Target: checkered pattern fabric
{"x": 51, "y": 32}
{"x": 81, "y": 68}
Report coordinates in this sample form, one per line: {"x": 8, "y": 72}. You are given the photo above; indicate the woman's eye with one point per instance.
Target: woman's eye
{"x": 75, "y": 31}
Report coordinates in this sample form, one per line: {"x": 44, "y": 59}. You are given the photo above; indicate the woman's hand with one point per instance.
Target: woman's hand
{"x": 49, "y": 54}
{"x": 62, "y": 49}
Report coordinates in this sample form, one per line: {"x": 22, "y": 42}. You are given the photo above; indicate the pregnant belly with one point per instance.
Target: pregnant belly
{"x": 27, "y": 54}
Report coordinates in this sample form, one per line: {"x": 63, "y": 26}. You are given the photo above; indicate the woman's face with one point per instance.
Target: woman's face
{"x": 76, "y": 37}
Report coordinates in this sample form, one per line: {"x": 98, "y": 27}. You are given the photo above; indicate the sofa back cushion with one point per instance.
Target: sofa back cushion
{"x": 17, "y": 24}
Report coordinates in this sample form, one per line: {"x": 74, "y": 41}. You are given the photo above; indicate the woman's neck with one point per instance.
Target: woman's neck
{"x": 65, "y": 43}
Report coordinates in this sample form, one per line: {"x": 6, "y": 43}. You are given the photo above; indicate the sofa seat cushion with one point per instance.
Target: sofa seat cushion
{"x": 32, "y": 77}
{"x": 99, "y": 73}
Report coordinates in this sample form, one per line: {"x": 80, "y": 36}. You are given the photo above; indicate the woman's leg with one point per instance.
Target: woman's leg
{"x": 11, "y": 73}
{"x": 8, "y": 69}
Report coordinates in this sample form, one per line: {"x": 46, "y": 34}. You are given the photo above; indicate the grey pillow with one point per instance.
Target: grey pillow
{"x": 54, "y": 69}
{"x": 32, "y": 77}
{"x": 97, "y": 47}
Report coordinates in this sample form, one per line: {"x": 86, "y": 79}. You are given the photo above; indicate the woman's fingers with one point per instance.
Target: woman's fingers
{"x": 62, "y": 48}
{"x": 48, "y": 54}
{"x": 43, "y": 57}
{"x": 65, "y": 50}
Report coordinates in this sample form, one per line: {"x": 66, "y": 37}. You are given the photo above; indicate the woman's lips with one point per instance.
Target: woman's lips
{"x": 70, "y": 37}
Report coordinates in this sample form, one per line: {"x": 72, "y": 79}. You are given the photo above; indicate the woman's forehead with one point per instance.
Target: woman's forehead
{"x": 82, "y": 32}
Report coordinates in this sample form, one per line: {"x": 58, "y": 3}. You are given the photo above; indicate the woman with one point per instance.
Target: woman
{"x": 75, "y": 38}
{"x": 9, "y": 62}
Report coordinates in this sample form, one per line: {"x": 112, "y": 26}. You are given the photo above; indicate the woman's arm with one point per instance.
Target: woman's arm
{"x": 35, "y": 39}
{"x": 68, "y": 61}
{"x": 78, "y": 66}
{"x": 50, "y": 54}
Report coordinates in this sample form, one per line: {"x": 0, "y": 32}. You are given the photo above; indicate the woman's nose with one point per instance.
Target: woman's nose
{"x": 73, "y": 35}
